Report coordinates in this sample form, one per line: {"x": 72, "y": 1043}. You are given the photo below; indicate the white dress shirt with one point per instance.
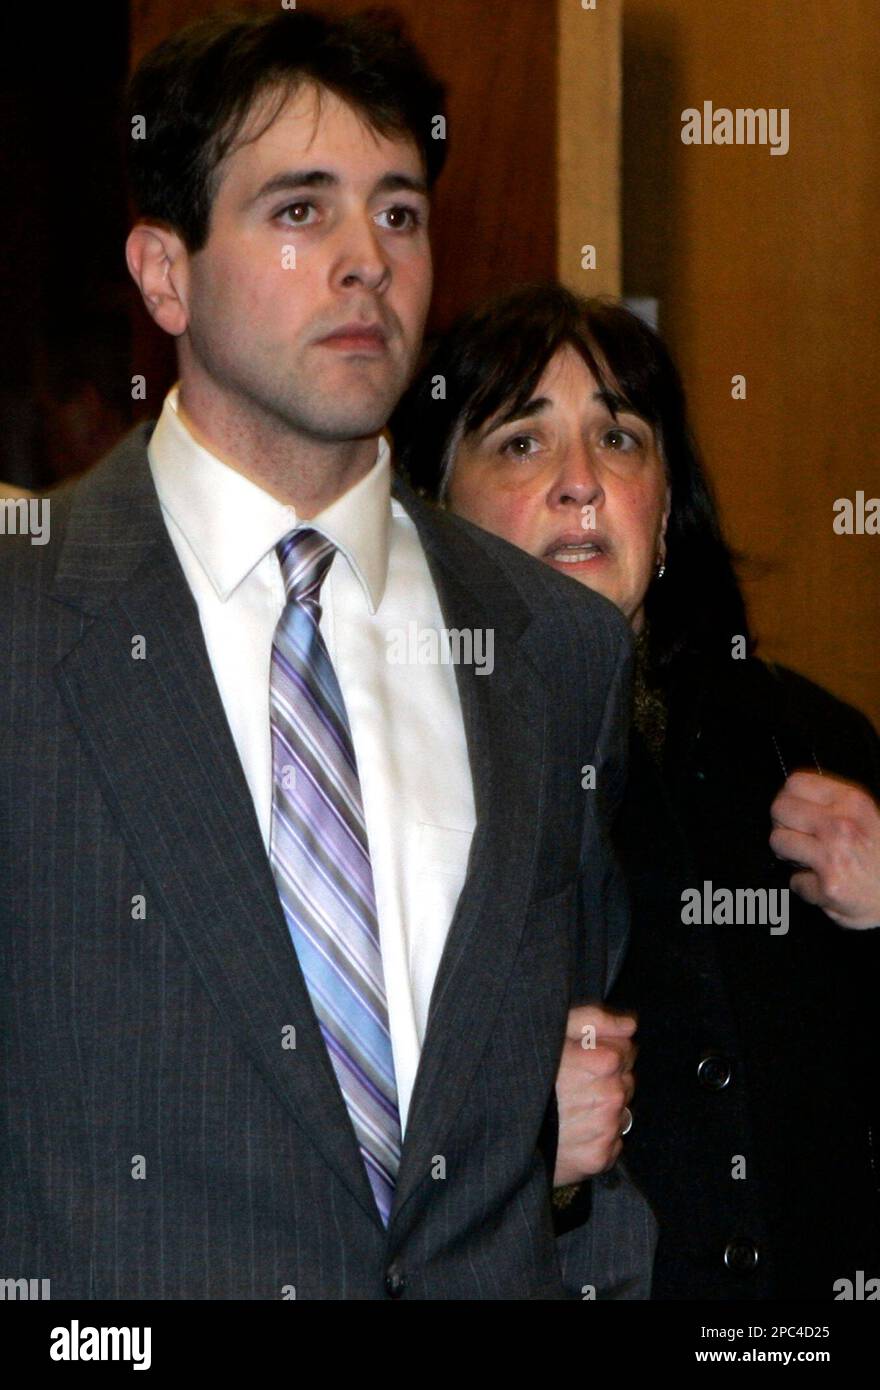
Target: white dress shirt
{"x": 405, "y": 719}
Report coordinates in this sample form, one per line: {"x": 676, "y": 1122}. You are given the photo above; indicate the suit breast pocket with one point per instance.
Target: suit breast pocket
{"x": 444, "y": 849}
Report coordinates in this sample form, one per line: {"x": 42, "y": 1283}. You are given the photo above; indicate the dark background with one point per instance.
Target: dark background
{"x": 65, "y": 302}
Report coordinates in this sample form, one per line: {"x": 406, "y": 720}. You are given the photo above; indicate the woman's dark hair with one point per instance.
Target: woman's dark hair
{"x": 194, "y": 93}
{"x": 494, "y": 357}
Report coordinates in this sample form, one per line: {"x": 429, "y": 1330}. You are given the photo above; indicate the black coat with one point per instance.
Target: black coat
{"x": 751, "y": 1044}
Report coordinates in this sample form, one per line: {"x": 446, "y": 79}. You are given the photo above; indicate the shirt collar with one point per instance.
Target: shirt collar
{"x": 230, "y": 523}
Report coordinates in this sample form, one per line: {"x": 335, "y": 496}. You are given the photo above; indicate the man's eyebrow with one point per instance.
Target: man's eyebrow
{"x": 397, "y": 181}
{"x": 291, "y": 180}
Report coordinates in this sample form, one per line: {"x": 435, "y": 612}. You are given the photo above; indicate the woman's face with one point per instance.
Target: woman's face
{"x": 581, "y": 488}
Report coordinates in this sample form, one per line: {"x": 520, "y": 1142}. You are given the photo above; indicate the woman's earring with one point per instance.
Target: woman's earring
{"x": 661, "y": 570}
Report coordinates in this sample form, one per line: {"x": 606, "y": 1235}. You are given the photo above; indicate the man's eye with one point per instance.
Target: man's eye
{"x": 402, "y": 218}
{"x": 520, "y": 446}
{"x": 298, "y": 213}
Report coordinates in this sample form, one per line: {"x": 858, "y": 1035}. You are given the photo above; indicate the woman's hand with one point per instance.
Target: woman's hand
{"x": 832, "y": 828}
{"x": 593, "y": 1088}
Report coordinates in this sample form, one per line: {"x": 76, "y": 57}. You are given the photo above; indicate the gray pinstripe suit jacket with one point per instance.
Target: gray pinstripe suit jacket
{"x": 158, "y": 1141}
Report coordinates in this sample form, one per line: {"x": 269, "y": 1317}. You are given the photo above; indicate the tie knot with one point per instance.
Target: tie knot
{"x": 305, "y": 557}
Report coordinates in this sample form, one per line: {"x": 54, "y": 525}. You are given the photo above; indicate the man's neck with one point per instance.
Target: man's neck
{"x": 303, "y": 473}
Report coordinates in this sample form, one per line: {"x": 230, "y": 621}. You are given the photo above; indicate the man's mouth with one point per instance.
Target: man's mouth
{"x": 357, "y": 337}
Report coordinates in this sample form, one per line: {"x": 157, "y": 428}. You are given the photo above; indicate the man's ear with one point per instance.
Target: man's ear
{"x": 158, "y": 262}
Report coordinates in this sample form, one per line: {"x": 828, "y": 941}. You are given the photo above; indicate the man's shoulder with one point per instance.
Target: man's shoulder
{"x": 501, "y": 572}
{"x": 103, "y": 499}
{"x": 25, "y": 553}
{"x": 542, "y": 588}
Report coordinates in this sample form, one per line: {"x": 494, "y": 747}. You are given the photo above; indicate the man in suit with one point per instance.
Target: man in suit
{"x": 290, "y": 926}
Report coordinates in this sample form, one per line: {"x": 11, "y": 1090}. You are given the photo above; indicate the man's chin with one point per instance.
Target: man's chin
{"x": 341, "y": 427}
{"x": 352, "y": 415}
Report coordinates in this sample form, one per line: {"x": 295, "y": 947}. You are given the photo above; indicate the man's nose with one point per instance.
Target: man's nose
{"x": 362, "y": 261}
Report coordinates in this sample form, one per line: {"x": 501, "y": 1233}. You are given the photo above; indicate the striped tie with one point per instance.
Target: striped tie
{"x": 321, "y": 861}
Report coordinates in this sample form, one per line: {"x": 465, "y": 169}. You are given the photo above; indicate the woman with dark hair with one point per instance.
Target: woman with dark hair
{"x": 750, "y": 834}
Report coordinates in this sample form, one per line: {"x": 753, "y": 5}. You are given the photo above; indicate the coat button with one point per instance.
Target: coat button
{"x": 394, "y": 1281}
{"x": 714, "y": 1071}
{"x": 741, "y": 1255}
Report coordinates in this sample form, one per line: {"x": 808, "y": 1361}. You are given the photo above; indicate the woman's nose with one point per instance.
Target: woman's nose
{"x": 577, "y": 479}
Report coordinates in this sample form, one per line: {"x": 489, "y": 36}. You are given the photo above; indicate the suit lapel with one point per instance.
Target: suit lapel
{"x": 504, "y": 716}
{"x": 157, "y": 735}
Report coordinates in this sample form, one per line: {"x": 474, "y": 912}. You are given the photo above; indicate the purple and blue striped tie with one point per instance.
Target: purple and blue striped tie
{"x": 321, "y": 861}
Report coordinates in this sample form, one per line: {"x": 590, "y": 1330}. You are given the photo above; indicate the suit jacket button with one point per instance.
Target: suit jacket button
{"x": 394, "y": 1281}
{"x": 741, "y": 1255}
{"x": 714, "y": 1071}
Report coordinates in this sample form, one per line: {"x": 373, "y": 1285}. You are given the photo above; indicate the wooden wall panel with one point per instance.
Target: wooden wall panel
{"x": 589, "y": 144}
{"x": 767, "y": 266}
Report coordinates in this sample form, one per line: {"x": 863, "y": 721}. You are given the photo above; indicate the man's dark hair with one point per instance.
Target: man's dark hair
{"x": 494, "y": 357}
{"x": 197, "y": 88}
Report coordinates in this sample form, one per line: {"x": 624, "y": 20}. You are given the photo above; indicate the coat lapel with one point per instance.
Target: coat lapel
{"x": 157, "y": 735}
{"x": 504, "y": 715}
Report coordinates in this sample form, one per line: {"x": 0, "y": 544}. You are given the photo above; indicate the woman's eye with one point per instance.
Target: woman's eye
{"x": 401, "y": 218}
{"x": 621, "y": 441}
{"x": 520, "y": 446}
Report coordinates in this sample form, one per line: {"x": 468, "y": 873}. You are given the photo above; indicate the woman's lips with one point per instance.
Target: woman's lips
{"x": 573, "y": 551}
{"x": 571, "y": 557}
